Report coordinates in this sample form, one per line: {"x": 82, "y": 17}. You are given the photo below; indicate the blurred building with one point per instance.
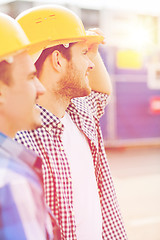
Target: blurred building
{"x": 132, "y": 57}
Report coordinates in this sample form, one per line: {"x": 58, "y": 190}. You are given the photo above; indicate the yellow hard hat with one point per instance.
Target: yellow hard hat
{"x": 12, "y": 37}
{"x": 56, "y": 24}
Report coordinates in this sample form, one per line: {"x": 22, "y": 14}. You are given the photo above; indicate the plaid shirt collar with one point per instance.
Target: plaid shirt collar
{"x": 49, "y": 120}
{"x": 20, "y": 153}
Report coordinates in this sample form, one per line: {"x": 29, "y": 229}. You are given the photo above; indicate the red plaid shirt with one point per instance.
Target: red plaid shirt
{"x": 47, "y": 142}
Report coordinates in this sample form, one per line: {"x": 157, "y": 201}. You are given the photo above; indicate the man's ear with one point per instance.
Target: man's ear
{"x": 57, "y": 60}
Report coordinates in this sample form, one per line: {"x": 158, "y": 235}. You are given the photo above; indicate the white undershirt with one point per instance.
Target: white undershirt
{"x": 86, "y": 202}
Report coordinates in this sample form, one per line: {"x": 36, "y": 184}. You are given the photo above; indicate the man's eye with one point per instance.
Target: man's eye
{"x": 85, "y": 52}
{"x": 33, "y": 76}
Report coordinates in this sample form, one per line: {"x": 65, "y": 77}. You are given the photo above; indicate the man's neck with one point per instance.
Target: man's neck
{"x": 6, "y": 127}
{"x": 54, "y": 103}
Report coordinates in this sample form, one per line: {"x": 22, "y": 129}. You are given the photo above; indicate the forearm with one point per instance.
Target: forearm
{"x": 99, "y": 78}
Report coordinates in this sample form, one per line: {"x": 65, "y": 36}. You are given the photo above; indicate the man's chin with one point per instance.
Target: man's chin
{"x": 84, "y": 92}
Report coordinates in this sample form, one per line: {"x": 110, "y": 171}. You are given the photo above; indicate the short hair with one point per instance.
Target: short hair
{"x": 5, "y": 72}
{"x": 48, "y": 51}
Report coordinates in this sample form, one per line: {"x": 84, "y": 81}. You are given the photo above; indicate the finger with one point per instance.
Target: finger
{"x": 96, "y": 31}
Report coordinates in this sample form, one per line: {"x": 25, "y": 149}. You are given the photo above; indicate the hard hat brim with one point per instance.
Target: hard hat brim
{"x": 91, "y": 39}
{"x": 35, "y": 47}
{"x": 31, "y": 48}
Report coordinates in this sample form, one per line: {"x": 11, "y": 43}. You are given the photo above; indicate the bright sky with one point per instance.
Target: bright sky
{"x": 146, "y": 6}
{"x": 152, "y": 6}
